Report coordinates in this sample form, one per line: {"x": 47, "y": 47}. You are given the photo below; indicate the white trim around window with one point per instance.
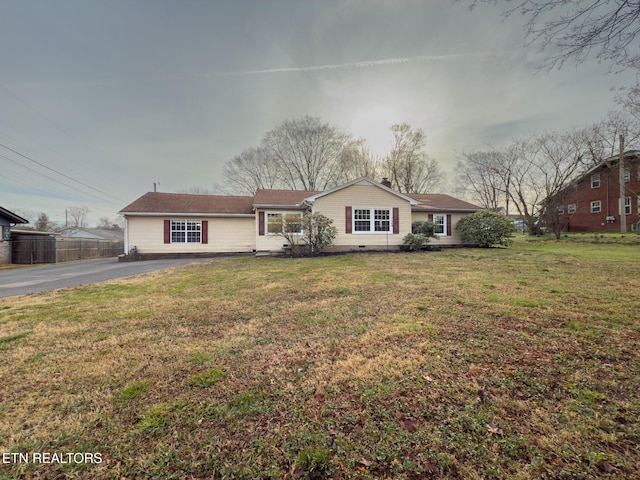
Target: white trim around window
{"x": 372, "y": 220}
{"x": 440, "y": 221}
{"x": 273, "y": 228}
{"x": 596, "y": 206}
{"x": 186, "y": 231}
{"x": 595, "y": 180}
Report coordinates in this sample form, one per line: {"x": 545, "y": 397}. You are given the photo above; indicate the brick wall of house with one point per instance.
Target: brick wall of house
{"x": 583, "y": 193}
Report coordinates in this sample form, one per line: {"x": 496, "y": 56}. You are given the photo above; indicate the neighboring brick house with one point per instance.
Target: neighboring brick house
{"x": 591, "y": 203}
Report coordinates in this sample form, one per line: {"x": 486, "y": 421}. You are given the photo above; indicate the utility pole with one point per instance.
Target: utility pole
{"x": 623, "y": 215}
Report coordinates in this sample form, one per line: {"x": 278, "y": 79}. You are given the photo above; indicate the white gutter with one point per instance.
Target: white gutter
{"x": 180, "y": 214}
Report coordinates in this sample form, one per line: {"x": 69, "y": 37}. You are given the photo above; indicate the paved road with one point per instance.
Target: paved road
{"x": 23, "y": 281}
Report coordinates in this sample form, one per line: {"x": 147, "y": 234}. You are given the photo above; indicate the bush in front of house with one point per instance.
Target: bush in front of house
{"x": 424, "y": 228}
{"x": 486, "y": 229}
{"x": 421, "y": 231}
{"x": 319, "y": 232}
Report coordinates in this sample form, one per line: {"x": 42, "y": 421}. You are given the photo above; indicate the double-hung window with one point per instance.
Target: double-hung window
{"x": 627, "y": 205}
{"x": 572, "y": 208}
{"x": 372, "y": 220}
{"x": 595, "y": 180}
{"x": 440, "y": 222}
{"x": 186, "y": 231}
{"x": 596, "y": 206}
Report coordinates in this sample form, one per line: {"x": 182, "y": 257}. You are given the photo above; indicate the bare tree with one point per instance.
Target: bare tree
{"x": 558, "y": 159}
{"x": 306, "y": 153}
{"x": 574, "y": 30}
{"x": 357, "y": 161}
{"x": 479, "y": 178}
{"x": 251, "y": 170}
{"x": 523, "y": 187}
{"x": 29, "y": 215}
{"x": 600, "y": 140}
{"x": 77, "y": 216}
{"x": 407, "y": 166}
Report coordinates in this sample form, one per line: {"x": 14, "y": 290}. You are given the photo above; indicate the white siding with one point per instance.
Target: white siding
{"x": 364, "y": 195}
{"x": 225, "y": 234}
{"x": 454, "y": 239}
{"x": 270, "y": 242}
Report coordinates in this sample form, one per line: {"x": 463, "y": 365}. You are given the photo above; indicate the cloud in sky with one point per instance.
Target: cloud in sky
{"x": 122, "y": 94}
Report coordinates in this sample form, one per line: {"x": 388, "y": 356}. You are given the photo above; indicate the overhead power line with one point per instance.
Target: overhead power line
{"x": 57, "y": 181}
{"x": 58, "y": 173}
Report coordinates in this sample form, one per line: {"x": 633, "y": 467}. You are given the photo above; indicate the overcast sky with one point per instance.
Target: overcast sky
{"x": 119, "y": 94}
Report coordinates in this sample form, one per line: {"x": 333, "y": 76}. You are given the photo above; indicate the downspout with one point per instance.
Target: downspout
{"x": 608, "y": 209}
{"x": 126, "y": 235}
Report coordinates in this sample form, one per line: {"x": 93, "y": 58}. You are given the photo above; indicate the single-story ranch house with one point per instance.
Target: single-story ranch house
{"x": 368, "y": 215}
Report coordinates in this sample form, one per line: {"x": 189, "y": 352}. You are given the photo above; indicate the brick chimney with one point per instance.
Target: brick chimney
{"x": 386, "y": 182}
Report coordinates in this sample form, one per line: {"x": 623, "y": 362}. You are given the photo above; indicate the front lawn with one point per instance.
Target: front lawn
{"x": 468, "y": 363}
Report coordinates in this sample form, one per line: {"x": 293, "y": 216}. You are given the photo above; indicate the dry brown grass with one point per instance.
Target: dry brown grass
{"x": 458, "y": 364}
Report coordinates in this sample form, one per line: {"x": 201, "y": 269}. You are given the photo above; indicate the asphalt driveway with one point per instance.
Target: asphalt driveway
{"x": 23, "y": 281}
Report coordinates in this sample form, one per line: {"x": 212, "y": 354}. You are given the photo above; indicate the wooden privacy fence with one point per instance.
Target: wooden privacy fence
{"x": 48, "y": 249}
{"x": 81, "y": 248}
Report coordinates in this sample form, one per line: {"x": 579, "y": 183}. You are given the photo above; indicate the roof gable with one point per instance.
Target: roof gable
{"x": 360, "y": 181}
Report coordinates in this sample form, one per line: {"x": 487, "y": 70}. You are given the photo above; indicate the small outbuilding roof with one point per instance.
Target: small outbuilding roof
{"x": 12, "y": 217}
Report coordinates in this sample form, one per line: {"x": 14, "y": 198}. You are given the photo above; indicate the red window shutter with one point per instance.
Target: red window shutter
{"x": 205, "y": 231}
{"x": 260, "y": 223}
{"x": 396, "y": 220}
{"x": 431, "y": 217}
{"x": 449, "y": 225}
{"x": 347, "y": 220}
{"x": 167, "y": 231}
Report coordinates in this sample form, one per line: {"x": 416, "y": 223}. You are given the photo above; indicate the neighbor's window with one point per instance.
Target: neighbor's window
{"x": 561, "y": 210}
{"x": 441, "y": 224}
{"x": 595, "y": 180}
{"x": 627, "y": 175}
{"x": 571, "y": 208}
{"x": 627, "y": 205}
{"x": 372, "y": 220}
{"x": 596, "y": 206}
{"x": 186, "y": 231}
{"x": 276, "y": 223}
